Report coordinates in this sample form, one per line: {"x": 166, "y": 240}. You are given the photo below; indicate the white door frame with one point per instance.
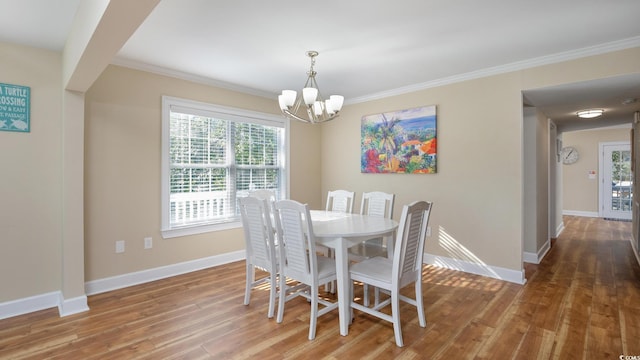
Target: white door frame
{"x": 601, "y": 160}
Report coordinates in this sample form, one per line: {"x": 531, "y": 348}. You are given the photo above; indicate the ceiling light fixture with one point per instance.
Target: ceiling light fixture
{"x": 591, "y": 113}
{"x": 317, "y": 108}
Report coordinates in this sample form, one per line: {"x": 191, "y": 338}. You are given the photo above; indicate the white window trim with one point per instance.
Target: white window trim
{"x": 210, "y": 110}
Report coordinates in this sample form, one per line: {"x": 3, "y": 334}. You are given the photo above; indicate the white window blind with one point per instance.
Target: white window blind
{"x": 212, "y": 156}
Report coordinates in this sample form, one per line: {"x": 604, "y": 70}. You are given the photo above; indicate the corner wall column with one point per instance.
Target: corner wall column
{"x": 73, "y": 298}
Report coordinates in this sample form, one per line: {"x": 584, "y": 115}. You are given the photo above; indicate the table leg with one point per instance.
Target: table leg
{"x": 342, "y": 275}
{"x": 390, "y": 245}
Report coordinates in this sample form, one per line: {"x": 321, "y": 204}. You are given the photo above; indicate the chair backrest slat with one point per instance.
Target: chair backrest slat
{"x": 258, "y": 231}
{"x": 410, "y": 240}
{"x": 270, "y": 197}
{"x": 377, "y": 203}
{"x": 340, "y": 200}
{"x": 296, "y": 234}
{"x": 264, "y": 194}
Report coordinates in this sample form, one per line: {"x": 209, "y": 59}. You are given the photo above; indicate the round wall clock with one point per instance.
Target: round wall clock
{"x": 569, "y": 155}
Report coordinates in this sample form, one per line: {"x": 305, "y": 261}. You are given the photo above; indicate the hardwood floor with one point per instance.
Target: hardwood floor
{"x": 581, "y": 302}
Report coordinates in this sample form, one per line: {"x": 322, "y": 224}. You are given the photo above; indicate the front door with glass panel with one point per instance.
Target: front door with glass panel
{"x": 616, "y": 187}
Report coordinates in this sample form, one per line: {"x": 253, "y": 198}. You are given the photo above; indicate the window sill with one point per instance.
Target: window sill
{"x": 200, "y": 229}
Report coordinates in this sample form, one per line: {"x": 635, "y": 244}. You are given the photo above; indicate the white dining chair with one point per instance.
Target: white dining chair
{"x": 375, "y": 203}
{"x": 391, "y": 275}
{"x": 270, "y": 197}
{"x": 340, "y": 200}
{"x": 260, "y": 247}
{"x": 300, "y": 262}
{"x": 380, "y": 204}
{"x": 263, "y": 194}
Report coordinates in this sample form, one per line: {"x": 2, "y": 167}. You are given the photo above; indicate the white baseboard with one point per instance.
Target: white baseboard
{"x": 535, "y": 258}
{"x": 140, "y": 277}
{"x": 634, "y": 248}
{"x": 72, "y": 306}
{"x": 475, "y": 268}
{"x": 530, "y": 257}
{"x": 559, "y": 229}
{"x": 79, "y": 304}
{"x": 581, "y": 213}
{"x": 29, "y": 304}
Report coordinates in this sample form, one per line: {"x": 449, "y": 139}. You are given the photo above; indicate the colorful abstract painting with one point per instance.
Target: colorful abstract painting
{"x": 400, "y": 142}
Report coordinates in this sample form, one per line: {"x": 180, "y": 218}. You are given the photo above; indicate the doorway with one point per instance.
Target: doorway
{"x": 616, "y": 181}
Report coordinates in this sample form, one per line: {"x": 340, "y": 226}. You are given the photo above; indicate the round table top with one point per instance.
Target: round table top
{"x": 339, "y": 224}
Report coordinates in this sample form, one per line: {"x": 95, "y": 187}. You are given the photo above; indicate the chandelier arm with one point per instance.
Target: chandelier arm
{"x": 293, "y": 116}
{"x": 312, "y": 118}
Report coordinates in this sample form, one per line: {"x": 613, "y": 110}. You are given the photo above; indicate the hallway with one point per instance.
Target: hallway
{"x": 588, "y": 288}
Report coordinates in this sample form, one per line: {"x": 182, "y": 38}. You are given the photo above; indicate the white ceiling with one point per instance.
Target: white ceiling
{"x": 368, "y": 48}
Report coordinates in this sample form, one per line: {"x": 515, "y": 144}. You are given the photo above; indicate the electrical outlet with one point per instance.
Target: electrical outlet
{"x": 428, "y": 230}
{"x": 148, "y": 243}
{"x": 119, "y": 246}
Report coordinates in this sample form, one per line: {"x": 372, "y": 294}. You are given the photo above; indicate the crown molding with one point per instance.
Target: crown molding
{"x": 159, "y": 70}
{"x": 515, "y": 66}
{"x": 496, "y": 70}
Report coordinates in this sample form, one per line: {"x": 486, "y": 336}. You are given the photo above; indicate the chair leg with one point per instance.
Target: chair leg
{"x": 365, "y": 297}
{"x": 314, "y": 312}
{"x": 395, "y": 313}
{"x": 330, "y": 286}
{"x": 282, "y": 295}
{"x": 249, "y": 283}
{"x": 272, "y": 294}
{"x": 376, "y": 296}
{"x": 350, "y": 300}
{"x": 390, "y": 243}
{"x": 420, "y": 304}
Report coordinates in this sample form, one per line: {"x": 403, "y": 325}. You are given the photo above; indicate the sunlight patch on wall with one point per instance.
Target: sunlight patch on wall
{"x": 457, "y": 251}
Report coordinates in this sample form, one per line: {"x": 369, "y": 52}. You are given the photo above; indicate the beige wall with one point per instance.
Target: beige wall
{"x": 636, "y": 165}
{"x": 305, "y": 157}
{"x": 581, "y": 194}
{"x": 544, "y": 162}
{"x": 556, "y": 225}
{"x": 31, "y": 181}
{"x": 537, "y": 167}
{"x": 122, "y": 171}
{"x": 477, "y": 192}
{"x": 530, "y": 214}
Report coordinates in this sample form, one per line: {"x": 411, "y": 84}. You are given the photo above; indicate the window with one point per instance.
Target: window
{"x": 211, "y": 156}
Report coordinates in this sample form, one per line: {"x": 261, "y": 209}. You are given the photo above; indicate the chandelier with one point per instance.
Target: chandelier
{"x": 317, "y": 108}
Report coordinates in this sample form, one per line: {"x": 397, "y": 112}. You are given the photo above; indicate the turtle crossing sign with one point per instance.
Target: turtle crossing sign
{"x": 15, "y": 105}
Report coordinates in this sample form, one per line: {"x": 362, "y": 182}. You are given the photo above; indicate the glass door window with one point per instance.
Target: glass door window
{"x": 617, "y": 181}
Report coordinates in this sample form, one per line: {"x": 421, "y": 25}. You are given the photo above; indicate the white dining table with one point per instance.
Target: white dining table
{"x": 340, "y": 231}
